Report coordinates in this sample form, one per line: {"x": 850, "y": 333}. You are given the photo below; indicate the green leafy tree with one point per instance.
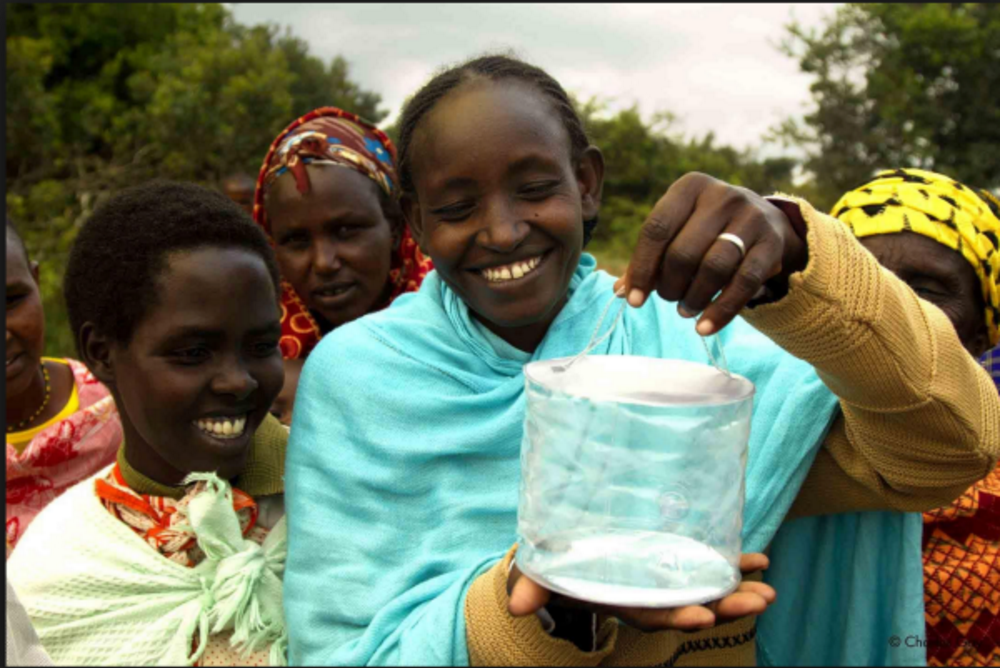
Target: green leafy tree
{"x": 102, "y": 96}
{"x": 911, "y": 85}
{"x": 643, "y": 159}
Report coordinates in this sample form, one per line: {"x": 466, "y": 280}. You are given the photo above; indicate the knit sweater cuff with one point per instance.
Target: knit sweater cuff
{"x": 847, "y": 316}
{"x": 497, "y": 638}
{"x": 801, "y": 321}
{"x": 731, "y": 644}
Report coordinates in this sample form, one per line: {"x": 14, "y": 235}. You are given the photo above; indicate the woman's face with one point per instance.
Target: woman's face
{"x": 939, "y": 275}
{"x": 202, "y": 368}
{"x": 334, "y": 243}
{"x": 25, "y": 320}
{"x": 500, "y": 204}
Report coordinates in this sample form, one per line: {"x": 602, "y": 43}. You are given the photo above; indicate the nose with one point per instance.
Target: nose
{"x": 235, "y": 379}
{"x": 326, "y": 260}
{"x": 503, "y": 231}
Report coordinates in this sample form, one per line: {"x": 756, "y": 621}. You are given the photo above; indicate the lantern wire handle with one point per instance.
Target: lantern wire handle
{"x": 594, "y": 341}
{"x": 719, "y": 362}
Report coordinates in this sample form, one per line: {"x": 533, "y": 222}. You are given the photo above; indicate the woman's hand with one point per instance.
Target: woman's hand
{"x": 750, "y": 598}
{"x": 680, "y": 255}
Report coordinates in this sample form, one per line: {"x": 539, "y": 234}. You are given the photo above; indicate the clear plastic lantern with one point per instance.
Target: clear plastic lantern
{"x": 632, "y": 479}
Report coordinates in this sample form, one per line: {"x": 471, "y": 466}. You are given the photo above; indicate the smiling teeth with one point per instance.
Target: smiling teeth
{"x": 511, "y": 271}
{"x": 223, "y": 427}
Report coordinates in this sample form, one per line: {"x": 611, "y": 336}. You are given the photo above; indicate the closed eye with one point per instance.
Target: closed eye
{"x": 189, "y": 356}
{"x": 929, "y": 287}
{"x": 295, "y": 240}
{"x": 538, "y": 189}
{"x": 454, "y": 212}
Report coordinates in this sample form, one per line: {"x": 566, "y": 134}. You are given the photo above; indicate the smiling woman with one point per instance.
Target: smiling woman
{"x": 62, "y": 424}
{"x": 327, "y": 196}
{"x": 405, "y": 453}
{"x": 173, "y": 299}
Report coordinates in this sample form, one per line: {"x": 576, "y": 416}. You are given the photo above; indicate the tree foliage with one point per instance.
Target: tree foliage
{"x": 102, "y": 96}
{"x": 911, "y": 85}
{"x": 642, "y": 160}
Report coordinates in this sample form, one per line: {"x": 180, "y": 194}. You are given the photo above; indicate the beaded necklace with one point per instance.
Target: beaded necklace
{"x": 45, "y": 402}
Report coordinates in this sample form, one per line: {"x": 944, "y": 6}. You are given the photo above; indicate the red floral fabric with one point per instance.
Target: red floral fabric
{"x": 63, "y": 454}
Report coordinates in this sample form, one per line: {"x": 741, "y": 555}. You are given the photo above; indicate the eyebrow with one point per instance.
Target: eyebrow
{"x": 458, "y": 182}
{"x": 530, "y": 162}
{"x": 520, "y": 165}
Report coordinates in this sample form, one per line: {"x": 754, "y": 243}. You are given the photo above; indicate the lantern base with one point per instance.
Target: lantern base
{"x": 616, "y": 570}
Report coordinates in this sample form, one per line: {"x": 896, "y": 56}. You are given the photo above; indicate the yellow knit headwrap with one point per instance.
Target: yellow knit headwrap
{"x": 938, "y": 207}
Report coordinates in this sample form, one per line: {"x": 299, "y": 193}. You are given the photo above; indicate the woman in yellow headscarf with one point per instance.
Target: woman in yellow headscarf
{"x": 942, "y": 238}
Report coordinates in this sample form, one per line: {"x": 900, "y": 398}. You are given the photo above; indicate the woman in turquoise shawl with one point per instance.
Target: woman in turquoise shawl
{"x": 403, "y": 464}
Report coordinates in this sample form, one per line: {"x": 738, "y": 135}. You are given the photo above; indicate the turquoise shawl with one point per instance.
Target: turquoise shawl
{"x": 850, "y": 592}
{"x": 404, "y": 461}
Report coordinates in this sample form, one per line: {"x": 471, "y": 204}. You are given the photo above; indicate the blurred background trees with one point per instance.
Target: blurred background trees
{"x": 899, "y": 85}
{"x": 102, "y": 96}
{"x": 642, "y": 160}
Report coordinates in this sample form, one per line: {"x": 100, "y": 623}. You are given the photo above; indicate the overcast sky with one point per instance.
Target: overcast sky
{"x": 715, "y": 66}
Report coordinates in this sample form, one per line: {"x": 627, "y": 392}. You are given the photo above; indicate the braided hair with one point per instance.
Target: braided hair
{"x": 493, "y": 68}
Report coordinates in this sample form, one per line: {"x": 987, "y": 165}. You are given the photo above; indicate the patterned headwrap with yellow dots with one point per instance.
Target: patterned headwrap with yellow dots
{"x": 938, "y": 207}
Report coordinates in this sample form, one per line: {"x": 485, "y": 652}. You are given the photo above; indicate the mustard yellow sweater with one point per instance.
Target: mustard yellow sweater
{"x": 920, "y": 423}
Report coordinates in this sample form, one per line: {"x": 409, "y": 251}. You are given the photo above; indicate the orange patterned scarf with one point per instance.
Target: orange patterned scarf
{"x": 162, "y": 521}
{"x": 962, "y": 578}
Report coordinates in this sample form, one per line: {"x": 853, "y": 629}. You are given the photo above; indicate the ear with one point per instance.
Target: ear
{"x": 34, "y": 271}
{"x": 413, "y": 218}
{"x": 96, "y": 351}
{"x": 590, "y": 177}
{"x": 980, "y": 342}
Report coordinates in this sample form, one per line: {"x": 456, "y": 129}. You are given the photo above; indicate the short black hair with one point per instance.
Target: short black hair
{"x": 15, "y": 236}
{"x": 121, "y": 251}
{"x": 494, "y": 68}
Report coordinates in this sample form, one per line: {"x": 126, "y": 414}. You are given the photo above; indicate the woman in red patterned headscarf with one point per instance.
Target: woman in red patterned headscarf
{"x": 327, "y": 197}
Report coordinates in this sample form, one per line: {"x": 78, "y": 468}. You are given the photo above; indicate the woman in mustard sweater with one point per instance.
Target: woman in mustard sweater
{"x": 403, "y": 464}
{"x": 941, "y": 237}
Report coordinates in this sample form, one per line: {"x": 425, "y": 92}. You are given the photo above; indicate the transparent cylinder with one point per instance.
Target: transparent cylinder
{"x": 632, "y": 480}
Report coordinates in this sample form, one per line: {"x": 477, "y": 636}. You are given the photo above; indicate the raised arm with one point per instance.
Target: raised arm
{"x": 921, "y": 419}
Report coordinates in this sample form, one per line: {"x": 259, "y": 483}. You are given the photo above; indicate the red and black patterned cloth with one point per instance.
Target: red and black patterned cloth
{"x": 962, "y": 574}
{"x": 331, "y": 136}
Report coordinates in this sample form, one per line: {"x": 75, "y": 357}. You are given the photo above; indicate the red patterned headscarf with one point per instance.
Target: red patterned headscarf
{"x": 331, "y": 136}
